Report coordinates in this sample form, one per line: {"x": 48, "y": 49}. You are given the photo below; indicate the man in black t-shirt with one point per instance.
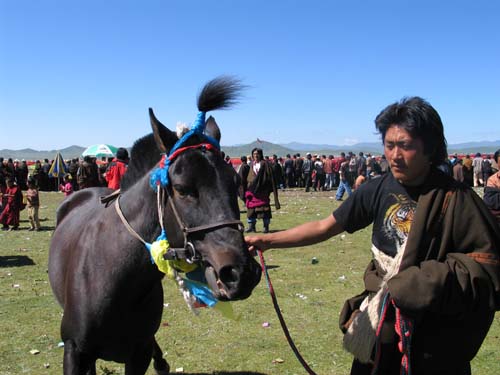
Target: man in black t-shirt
{"x": 433, "y": 284}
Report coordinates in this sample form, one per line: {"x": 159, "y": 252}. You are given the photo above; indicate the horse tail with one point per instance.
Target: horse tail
{"x": 220, "y": 93}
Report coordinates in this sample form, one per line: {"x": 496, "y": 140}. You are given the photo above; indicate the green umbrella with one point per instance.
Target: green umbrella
{"x": 100, "y": 151}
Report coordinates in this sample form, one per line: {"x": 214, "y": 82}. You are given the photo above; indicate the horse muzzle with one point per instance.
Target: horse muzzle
{"x": 233, "y": 282}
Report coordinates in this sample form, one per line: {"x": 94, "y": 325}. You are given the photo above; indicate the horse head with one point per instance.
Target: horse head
{"x": 202, "y": 210}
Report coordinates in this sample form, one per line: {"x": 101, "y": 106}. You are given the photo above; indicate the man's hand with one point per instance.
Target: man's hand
{"x": 257, "y": 242}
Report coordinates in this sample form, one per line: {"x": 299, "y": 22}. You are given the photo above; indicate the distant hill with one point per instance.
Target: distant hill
{"x": 30, "y": 154}
{"x": 267, "y": 147}
{"x": 485, "y": 147}
{"x": 302, "y": 148}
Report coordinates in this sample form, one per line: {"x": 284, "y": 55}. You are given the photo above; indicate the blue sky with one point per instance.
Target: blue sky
{"x": 84, "y": 72}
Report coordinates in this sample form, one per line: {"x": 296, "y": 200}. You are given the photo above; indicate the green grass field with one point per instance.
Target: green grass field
{"x": 310, "y": 296}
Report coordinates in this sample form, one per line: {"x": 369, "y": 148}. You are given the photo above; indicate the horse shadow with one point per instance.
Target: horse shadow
{"x": 15, "y": 261}
{"x": 226, "y": 373}
{"x": 48, "y": 227}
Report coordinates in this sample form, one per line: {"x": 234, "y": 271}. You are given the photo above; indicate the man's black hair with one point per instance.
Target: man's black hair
{"x": 421, "y": 120}
{"x": 497, "y": 154}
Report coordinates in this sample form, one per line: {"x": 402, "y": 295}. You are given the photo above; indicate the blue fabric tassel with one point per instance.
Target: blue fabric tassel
{"x": 202, "y": 292}
{"x": 160, "y": 175}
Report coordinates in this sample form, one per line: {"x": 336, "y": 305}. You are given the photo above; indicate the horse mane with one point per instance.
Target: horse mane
{"x": 220, "y": 93}
{"x": 143, "y": 157}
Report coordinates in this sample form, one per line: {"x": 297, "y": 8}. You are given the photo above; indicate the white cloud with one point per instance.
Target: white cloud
{"x": 350, "y": 141}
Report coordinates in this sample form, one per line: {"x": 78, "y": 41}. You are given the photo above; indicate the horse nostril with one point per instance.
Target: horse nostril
{"x": 229, "y": 275}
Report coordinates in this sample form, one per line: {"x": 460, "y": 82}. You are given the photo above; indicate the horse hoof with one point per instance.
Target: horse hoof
{"x": 162, "y": 368}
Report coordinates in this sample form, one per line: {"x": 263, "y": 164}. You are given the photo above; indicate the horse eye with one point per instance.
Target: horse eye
{"x": 184, "y": 190}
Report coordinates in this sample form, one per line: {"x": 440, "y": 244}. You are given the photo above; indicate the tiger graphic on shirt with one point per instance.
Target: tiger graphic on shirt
{"x": 398, "y": 218}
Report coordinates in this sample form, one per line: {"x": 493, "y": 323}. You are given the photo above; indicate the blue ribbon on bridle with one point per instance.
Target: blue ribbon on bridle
{"x": 159, "y": 176}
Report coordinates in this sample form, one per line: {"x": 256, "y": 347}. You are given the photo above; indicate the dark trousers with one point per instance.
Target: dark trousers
{"x": 307, "y": 181}
{"x": 390, "y": 363}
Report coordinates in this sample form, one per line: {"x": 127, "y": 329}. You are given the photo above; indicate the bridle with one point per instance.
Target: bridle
{"x": 189, "y": 253}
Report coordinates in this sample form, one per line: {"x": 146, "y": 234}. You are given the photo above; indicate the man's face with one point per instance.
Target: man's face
{"x": 405, "y": 154}
{"x": 256, "y": 156}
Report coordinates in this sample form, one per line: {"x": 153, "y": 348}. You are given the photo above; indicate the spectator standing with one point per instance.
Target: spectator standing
{"x": 307, "y": 170}
{"x": 486, "y": 169}
{"x": 336, "y": 168}
{"x": 117, "y": 168}
{"x": 299, "y": 177}
{"x": 329, "y": 174}
{"x": 44, "y": 176}
{"x": 346, "y": 179}
{"x": 289, "y": 172}
{"x": 73, "y": 170}
{"x": 261, "y": 184}
{"x": 491, "y": 196}
{"x": 468, "y": 171}
{"x": 33, "y": 205}
{"x": 384, "y": 165}
{"x": 13, "y": 205}
{"x": 279, "y": 177}
{"x": 87, "y": 174}
{"x": 319, "y": 167}
{"x": 477, "y": 163}
{"x": 66, "y": 187}
{"x": 458, "y": 170}
{"x": 369, "y": 165}
{"x": 22, "y": 175}
{"x": 361, "y": 165}
{"x": 243, "y": 171}
{"x": 37, "y": 173}
{"x": 353, "y": 166}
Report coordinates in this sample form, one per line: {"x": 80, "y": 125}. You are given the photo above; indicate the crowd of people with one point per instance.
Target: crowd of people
{"x": 324, "y": 173}
{"x": 16, "y": 178}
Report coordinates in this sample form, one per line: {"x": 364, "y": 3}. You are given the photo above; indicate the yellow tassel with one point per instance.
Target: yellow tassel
{"x": 226, "y": 309}
{"x": 168, "y": 267}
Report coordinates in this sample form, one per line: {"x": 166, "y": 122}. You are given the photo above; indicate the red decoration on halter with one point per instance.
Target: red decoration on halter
{"x": 207, "y": 146}
{"x": 161, "y": 164}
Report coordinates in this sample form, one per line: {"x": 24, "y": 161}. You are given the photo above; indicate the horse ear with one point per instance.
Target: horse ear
{"x": 164, "y": 138}
{"x": 212, "y": 129}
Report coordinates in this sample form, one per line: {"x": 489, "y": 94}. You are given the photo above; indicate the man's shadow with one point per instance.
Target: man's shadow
{"x": 15, "y": 261}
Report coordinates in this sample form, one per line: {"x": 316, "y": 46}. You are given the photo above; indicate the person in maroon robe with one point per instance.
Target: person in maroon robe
{"x": 13, "y": 200}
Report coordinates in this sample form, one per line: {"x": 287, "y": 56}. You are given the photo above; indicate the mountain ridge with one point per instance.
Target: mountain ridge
{"x": 74, "y": 151}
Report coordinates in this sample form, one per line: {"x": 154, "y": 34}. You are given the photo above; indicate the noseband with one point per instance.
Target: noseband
{"x": 189, "y": 252}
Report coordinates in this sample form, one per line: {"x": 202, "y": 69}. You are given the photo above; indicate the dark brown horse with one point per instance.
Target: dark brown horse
{"x": 102, "y": 274}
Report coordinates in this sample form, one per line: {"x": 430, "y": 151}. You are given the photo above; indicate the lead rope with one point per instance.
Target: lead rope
{"x": 280, "y": 316}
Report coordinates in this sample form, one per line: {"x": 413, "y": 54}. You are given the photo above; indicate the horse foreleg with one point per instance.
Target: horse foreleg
{"x": 76, "y": 362}
{"x": 139, "y": 362}
{"x": 160, "y": 365}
